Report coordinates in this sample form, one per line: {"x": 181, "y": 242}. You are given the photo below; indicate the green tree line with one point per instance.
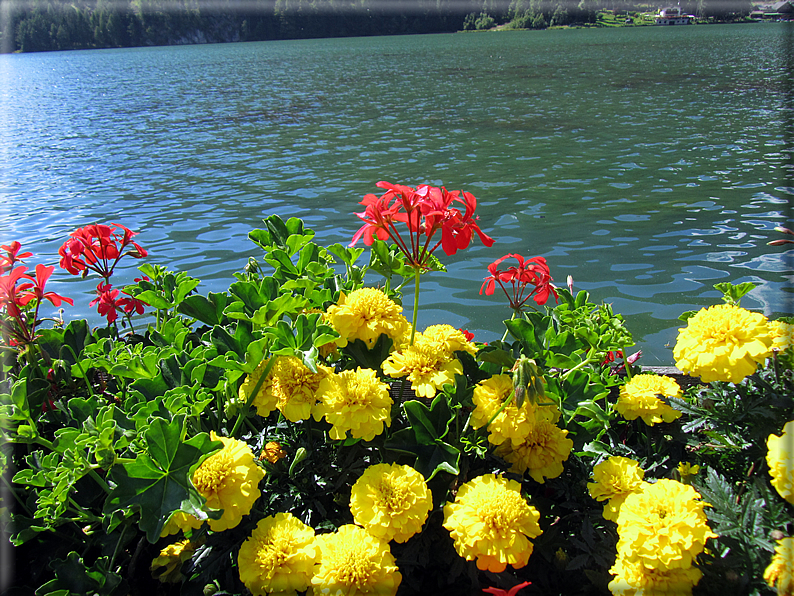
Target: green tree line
{"x": 43, "y": 25}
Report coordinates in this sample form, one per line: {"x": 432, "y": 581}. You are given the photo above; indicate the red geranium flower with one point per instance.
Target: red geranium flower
{"x": 36, "y": 289}
{"x": 19, "y": 327}
{"x": 98, "y": 247}
{"x": 532, "y": 272}
{"x": 12, "y": 256}
{"x": 109, "y": 305}
{"x": 468, "y": 334}
{"x": 512, "y": 592}
{"x": 425, "y": 210}
{"x": 106, "y": 302}
{"x": 9, "y": 300}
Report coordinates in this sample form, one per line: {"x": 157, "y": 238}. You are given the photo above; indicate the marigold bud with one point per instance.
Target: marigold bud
{"x": 272, "y": 452}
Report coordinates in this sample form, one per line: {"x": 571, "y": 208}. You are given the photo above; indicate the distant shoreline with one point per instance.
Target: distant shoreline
{"x": 56, "y": 25}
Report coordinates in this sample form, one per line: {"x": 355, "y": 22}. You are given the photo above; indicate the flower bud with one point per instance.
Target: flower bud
{"x": 527, "y": 381}
{"x": 300, "y": 455}
{"x": 273, "y": 452}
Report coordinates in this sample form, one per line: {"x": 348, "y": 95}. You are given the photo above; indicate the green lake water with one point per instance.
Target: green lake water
{"x": 648, "y": 163}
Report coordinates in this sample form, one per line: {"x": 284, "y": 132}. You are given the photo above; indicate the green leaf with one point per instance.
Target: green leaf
{"x": 366, "y": 357}
{"x": 73, "y": 577}
{"x": 184, "y": 287}
{"x": 208, "y": 310}
{"x": 154, "y": 299}
{"x": 158, "y": 481}
{"x": 419, "y": 416}
{"x": 503, "y": 358}
{"x": 732, "y": 294}
{"x": 429, "y": 459}
{"x": 346, "y": 254}
{"x": 524, "y": 331}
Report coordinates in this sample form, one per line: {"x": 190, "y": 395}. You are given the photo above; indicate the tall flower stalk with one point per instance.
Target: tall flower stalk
{"x": 424, "y": 210}
{"x": 532, "y": 272}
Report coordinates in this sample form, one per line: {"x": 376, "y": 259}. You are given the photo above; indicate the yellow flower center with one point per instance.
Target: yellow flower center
{"x": 292, "y": 381}
{"x": 392, "y": 494}
{"x": 500, "y": 511}
{"x": 421, "y": 359}
{"x": 212, "y": 473}
{"x": 353, "y": 569}
{"x": 372, "y": 305}
{"x": 271, "y": 556}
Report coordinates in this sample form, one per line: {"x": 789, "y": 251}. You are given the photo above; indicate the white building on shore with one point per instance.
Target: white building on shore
{"x": 672, "y": 16}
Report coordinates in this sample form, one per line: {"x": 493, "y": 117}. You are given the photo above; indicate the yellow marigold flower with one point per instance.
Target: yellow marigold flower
{"x": 541, "y": 452}
{"x": 640, "y": 397}
{"x": 290, "y": 386}
{"x": 782, "y": 335}
{"x": 279, "y": 556}
{"x": 491, "y": 521}
{"x": 391, "y": 501}
{"x": 426, "y": 366}
{"x": 273, "y": 452}
{"x": 166, "y": 567}
{"x": 615, "y": 479}
{"x": 663, "y": 526}
{"x": 355, "y": 401}
{"x": 723, "y": 343}
{"x": 450, "y": 339}
{"x": 180, "y": 521}
{"x": 353, "y": 562}
{"x": 365, "y": 314}
{"x": 780, "y": 457}
{"x": 635, "y": 579}
{"x": 229, "y": 480}
{"x": 511, "y": 423}
{"x": 780, "y": 573}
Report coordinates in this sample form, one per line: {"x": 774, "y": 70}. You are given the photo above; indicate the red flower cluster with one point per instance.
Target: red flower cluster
{"x": 98, "y": 247}
{"x": 425, "y": 210}
{"x": 532, "y": 272}
{"x": 17, "y": 290}
{"x": 109, "y": 304}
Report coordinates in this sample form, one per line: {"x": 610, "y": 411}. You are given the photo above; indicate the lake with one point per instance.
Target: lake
{"x": 648, "y": 163}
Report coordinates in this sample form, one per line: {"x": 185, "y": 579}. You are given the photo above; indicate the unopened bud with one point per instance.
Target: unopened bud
{"x": 527, "y": 381}
{"x": 300, "y": 455}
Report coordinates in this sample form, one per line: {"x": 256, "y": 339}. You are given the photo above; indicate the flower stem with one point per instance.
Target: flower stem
{"x": 627, "y": 366}
{"x": 588, "y": 359}
{"x": 244, "y": 412}
{"x": 417, "y": 273}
